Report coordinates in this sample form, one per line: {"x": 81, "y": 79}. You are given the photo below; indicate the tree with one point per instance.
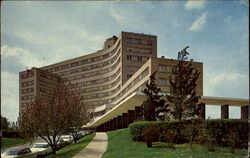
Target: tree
{"x": 153, "y": 106}
{"x": 50, "y": 117}
{"x": 183, "y": 99}
{"x": 4, "y": 123}
{"x": 79, "y": 115}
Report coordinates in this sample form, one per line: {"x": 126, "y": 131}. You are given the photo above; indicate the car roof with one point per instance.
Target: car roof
{"x": 41, "y": 143}
{"x": 18, "y": 148}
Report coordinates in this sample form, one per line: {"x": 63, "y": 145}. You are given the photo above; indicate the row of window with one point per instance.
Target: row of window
{"x": 28, "y": 74}
{"x": 164, "y": 68}
{"x": 24, "y": 105}
{"x": 85, "y": 61}
{"x": 99, "y": 81}
{"x": 27, "y": 97}
{"x": 28, "y": 90}
{"x": 49, "y": 77}
{"x": 138, "y": 78}
{"x": 28, "y": 83}
{"x": 140, "y": 50}
{"x": 163, "y": 82}
{"x": 100, "y": 88}
{"x": 132, "y": 84}
{"x": 45, "y": 84}
{"x": 90, "y": 67}
{"x": 139, "y": 41}
{"x": 94, "y": 73}
{"x": 136, "y": 58}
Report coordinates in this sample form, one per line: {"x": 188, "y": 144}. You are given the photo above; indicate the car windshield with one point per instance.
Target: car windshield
{"x": 11, "y": 152}
{"x": 65, "y": 137}
{"x": 40, "y": 146}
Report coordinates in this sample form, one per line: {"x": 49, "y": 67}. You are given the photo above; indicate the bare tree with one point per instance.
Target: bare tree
{"x": 50, "y": 117}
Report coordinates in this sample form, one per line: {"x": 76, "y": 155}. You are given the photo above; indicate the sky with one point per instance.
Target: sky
{"x": 35, "y": 34}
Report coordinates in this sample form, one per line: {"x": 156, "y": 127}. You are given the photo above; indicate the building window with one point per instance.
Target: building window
{"x": 163, "y": 82}
{"x": 139, "y": 58}
{"x": 169, "y": 69}
{"x": 162, "y": 68}
{"x": 129, "y": 40}
{"x": 129, "y": 57}
{"x": 128, "y": 76}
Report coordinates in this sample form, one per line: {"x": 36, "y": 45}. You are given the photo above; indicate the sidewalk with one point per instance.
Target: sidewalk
{"x": 96, "y": 148}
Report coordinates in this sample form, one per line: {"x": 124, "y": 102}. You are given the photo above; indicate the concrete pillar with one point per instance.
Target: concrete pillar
{"x": 224, "y": 111}
{"x": 138, "y": 113}
{"x": 109, "y": 125}
{"x": 131, "y": 116}
{"x": 98, "y": 128}
{"x": 119, "y": 122}
{"x": 244, "y": 112}
{"x": 202, "y": 114}
{"x": 124, "y": 120}
{"x": 105, "y": 126}
{"x": 112, "y": 125}
{"x": 115, "y": 123}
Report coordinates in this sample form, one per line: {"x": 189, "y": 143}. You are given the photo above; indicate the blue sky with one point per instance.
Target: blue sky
{"x": 216, "y": 31}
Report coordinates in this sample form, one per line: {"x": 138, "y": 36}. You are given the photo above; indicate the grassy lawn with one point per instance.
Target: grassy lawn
{"x": 8, "y": 142}
{"x": 121, "y": 145}
{"x": 70, "y": 150}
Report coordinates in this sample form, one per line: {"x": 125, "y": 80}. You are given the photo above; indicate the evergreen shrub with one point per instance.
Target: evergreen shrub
{"x": 223, "y": 132}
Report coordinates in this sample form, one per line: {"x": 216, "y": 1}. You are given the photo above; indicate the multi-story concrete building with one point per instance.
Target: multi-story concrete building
{"x": 34, "y": 82}
{"x": 108, "y": 76}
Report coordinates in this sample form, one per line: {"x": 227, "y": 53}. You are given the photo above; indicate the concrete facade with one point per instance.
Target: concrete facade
{"x": 107, "y": 76}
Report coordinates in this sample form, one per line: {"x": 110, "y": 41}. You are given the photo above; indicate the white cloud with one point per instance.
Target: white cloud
{"x": 227, "y": 77}
{"x": 232, "y": 84}
{"x": 23, "y": 56}
{"x": 199, "y": 23}
{"x": 198, "y": 4}
{"x": 9, "y": 95}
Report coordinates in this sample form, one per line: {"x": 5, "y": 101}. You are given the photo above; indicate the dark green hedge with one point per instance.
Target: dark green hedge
{"x": 222, "y": 131}
{"x": 10, "y": 134}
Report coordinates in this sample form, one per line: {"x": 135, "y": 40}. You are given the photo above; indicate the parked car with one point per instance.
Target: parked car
{"x": 61, "y": 143}
{"x": 18, "y": 152}
{"x": 67, "y": 138}
{"x": 41, "y": 149}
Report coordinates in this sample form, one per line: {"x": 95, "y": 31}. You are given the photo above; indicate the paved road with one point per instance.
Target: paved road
{"x": 96, "y": 148}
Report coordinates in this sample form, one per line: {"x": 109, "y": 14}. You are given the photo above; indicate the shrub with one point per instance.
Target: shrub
{"x": 213, "y": 132}
{"x": 150, "y": 134}
{"x": 10, "y": 134}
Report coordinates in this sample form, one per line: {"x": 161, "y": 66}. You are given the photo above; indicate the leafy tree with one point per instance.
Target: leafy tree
{"x": 182, "y": 99}
{"x": 4, "y": 123}
{"x": 50, "y": 117}
{"x": 153, "y": 106}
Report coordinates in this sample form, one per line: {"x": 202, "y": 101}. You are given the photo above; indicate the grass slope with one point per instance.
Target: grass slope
{"x": 121, "y": 145}
{"x": 8, "y": 142}
{"x": 70, "y": 150}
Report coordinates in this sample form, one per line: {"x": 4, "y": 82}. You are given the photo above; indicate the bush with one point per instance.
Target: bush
{"x": 199, "y": 131}
{"x": 10, "y": 134}
{"x": 150, "y": 134}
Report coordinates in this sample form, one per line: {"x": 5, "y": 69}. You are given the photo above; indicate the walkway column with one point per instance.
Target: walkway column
{"x": 138, "y": 113}
{"x": 105, "y": 127}
{"x": 244, "y": 112}
{"x": 112, "y": 125}
{"x": 124, "y": 120}
{"x": 115, "y": 123}
{"x": 202, "y": 114}
{"x": 131, "y": 116}
{"x": 224, "y": 111}
{"x": 109, "y": 125}
{"x": 119, "y": 122}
